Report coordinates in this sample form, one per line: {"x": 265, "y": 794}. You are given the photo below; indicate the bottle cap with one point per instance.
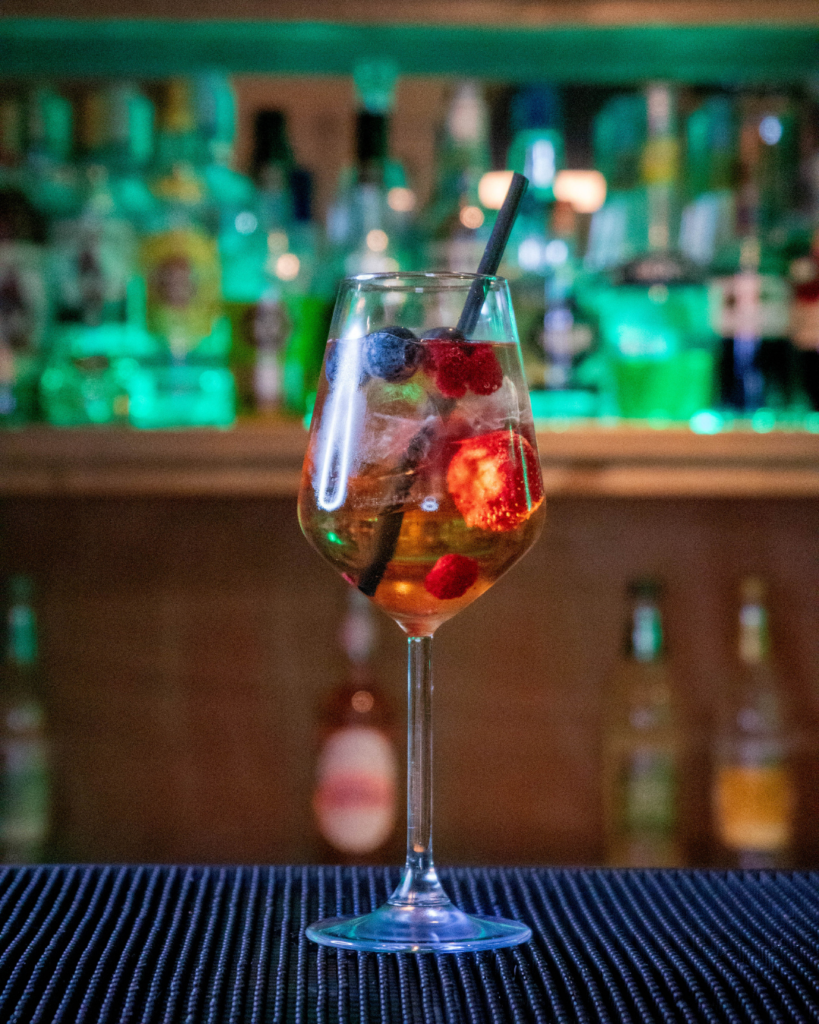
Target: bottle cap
{"x": 646, "y": 588}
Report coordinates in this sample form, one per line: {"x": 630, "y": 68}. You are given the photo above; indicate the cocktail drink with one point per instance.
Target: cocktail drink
{"x": 421, "y": 486}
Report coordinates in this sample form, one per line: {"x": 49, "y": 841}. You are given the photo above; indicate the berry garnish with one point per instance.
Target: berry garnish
{"x": 451, "y": 577}
{"x": 495, "y": 480}
{"x": 458, "y": 365}
{"x": 486, "y": 376}
{"x": 393, "y": 354}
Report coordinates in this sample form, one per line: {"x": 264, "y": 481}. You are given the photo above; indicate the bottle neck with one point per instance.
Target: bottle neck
{"x": 371, "y": 147}
{"x": 645, "y": 638}
{"x": 661, "y": 168}
{"x": 754, "y": 644}
{"x": 21, "y": 645}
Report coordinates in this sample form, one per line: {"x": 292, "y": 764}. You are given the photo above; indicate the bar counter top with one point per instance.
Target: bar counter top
{"x": 102, "y": 944}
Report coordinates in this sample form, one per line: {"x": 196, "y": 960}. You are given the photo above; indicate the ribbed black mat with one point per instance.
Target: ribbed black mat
{"x": 89, "y": 945}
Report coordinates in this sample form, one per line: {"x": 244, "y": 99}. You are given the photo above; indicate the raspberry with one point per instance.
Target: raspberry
{"x": 451, "y": 576}
{"x": 458, "y": 365}
{"x": 495, "y": 480}
{"x": 485, "y": 374}
{"x": 393, "y": 354}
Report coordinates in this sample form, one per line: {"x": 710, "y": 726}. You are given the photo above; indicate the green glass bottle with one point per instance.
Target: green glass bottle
{"x": 24, "y": 769}
{"x": 643, "y": 745}
{"x": 24, "y": 306}
{"x": 189, "y": 383}
{"x": 98, "y": 332}
{"x": 653, "y": 313}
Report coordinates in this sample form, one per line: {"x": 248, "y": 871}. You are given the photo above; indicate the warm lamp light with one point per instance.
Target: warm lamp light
{"x": 492, "y": 188}
{"x": 585, "y": 190}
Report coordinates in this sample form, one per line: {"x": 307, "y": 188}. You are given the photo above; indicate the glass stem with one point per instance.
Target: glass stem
{"x": 419, "y": 884}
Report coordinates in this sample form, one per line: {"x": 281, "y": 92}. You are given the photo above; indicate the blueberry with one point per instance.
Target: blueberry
{"x": 393, "y": 354}
{"x": 331, "y": 362}
{"x": 444, "y": 334}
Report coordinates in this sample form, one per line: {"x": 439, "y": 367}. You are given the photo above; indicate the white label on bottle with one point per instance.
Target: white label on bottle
{"x": 752, "y": 306}
{"x": 23, "y": 300}
{"x": 355, "y": 795}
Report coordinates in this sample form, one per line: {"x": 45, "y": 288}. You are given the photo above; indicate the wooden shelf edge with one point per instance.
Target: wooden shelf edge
{"x": 264, "y": 460}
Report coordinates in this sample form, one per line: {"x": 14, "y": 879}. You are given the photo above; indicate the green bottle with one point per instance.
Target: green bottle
{"x": 653, "y": 312}
{"x": 24, "y": 772}
{"x": 189, "y": 383}
{"x": 24, "y": 307}
{"x": 643, "y": 745}
{"x": 98, "y": 332}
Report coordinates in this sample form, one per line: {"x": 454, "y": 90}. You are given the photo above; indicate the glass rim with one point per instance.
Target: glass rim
{"x": 412, "y": 280}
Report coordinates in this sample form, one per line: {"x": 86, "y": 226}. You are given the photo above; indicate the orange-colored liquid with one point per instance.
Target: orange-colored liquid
{"x": 437, "y": 517}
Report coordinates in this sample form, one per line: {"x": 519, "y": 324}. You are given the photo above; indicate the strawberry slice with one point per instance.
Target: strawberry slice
{"x": 451, "y": 577}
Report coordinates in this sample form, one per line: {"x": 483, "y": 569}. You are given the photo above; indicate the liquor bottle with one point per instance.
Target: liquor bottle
{"x": 49, "y": 131}
{"x": 190, "y": 383}
{"x": 24, "y": 773}
{"x": 278, "y": 292}
{"x": 23, "y": 289}
{"x": 750, "y": 290}
{"x": 368, "y": 225}
{"x": 654, "y": 314}
{"x": 753, "y": 791}
{"x": 643, "y": 746}
{"x": 355, "y": 795}
{"x": 572, "y": 373}
{"x": 98, "y": 329}
{"x": 457, "y": 223}
{"x": 707, "y": 222}
{"x": 804, "y": 323}
{"x": 536, "y": 151}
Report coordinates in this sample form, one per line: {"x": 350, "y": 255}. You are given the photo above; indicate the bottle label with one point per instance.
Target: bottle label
{"x": 23, "y": 797}
{"x": 94, "y": 263}
{"x": 23, "y": 298}
{"x": 355, "y": 796}
{"x": 754, "y": 805}
{"x": 183, "y": 279}
{"x": 749, "y": 305}
{"x": 649, "y": 792}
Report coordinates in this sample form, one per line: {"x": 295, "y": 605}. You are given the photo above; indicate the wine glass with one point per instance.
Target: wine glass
{"x": 421, "y": 486}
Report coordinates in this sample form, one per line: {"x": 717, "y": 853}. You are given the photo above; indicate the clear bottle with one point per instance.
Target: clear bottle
{"x": 753, "y": 785}
{"x": 457, "y": 224}
{"x": 51, "y": 175}
{"x": 654, "y": 312}
{"x": 536, "y": 151}
{"x": 24, "y": 770}
{"x": 98, "y": 333}
{"x": 643, "y": 746}
{"x": 356, "y": 786}
{"x": 369, "y": 223}
{"x": 750, "y": 290}
{"x": 24, "y": 306}
{"x": 572, "y": 371}
{"x": 190, "y": 383}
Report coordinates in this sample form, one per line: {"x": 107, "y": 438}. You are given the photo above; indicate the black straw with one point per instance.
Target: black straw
{"x": 493, "y": 253}
{"x": 390, "y": 519}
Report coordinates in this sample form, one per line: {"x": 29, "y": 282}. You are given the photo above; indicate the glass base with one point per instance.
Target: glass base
{"x": 418, "y": 929}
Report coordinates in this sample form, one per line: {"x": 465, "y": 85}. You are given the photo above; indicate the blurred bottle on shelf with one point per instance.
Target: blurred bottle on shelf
{"x": 653, "y": 310}
{"x": 708, "y": 218}
{"x": 98, "y": 332}
{"x": 457, "y": 223}
{"x": 643, "y": 745}
{"x": 370, "y": 222}
{"x": 50, "y": 173}
{"x": 573, "y": 373}
{"x": 356, "y": 787}
{"x": 23, "y": 290}
{"x": 804, "y": 276}
{"x": 277, "y": 287}
{"x": 189, "y": 382}
{"x": 750, "y": 291}
{"x": 24, "y": 770}
{"x": 753, "y": 788}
